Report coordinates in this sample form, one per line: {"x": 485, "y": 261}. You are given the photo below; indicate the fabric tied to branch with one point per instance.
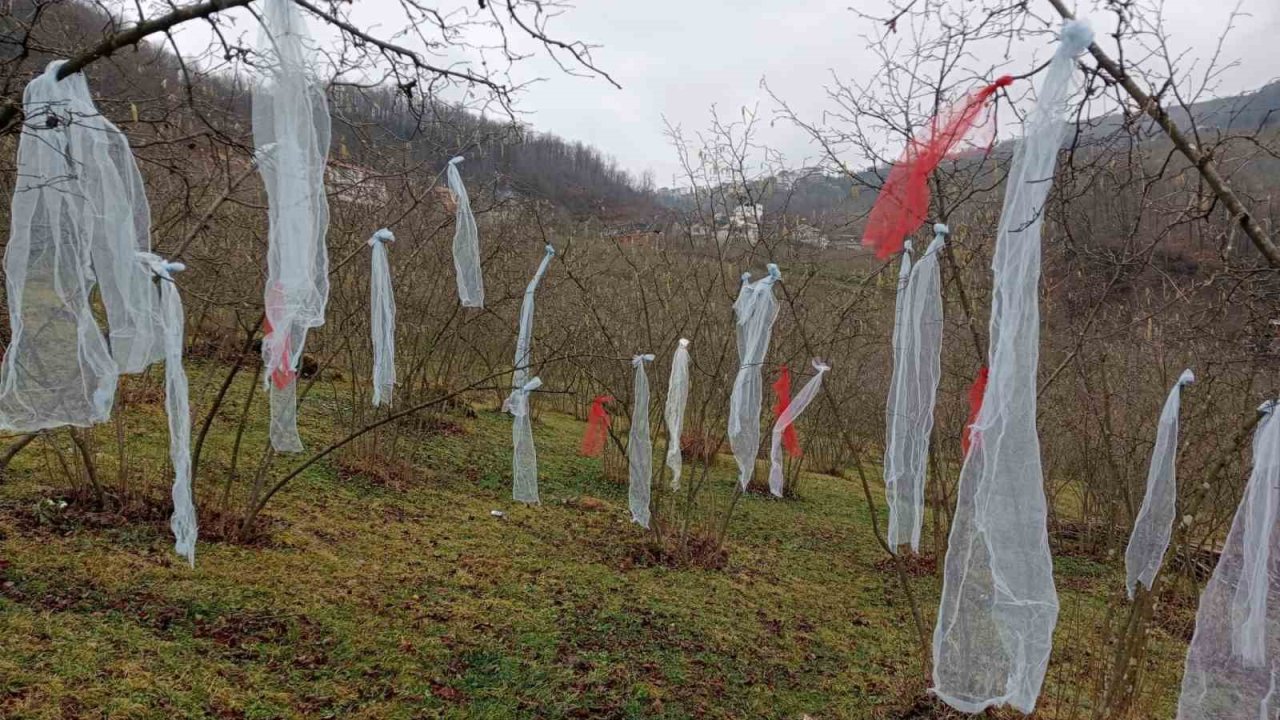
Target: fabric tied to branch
{"x": 524, "y": 459}
{"x": 640, "y": 445}
{"x": 903, "y": 201}
{"x": 677, "y": 399}
{"x": 382, "y": 318}
{"x": 58, "y": 369}
{"x": 525, "y": 468}
{"x": 1154, "y": 524}
{"x": 788, "y": 417}
{"x": 1233, "y": 663}
{"x": 176, "y": 400}
{"x": 597, "y": 430}
{"x": 999, "y": 605}
{"x": 466, "y": 242}
{"x": 913, "y": 390}
{"x": 976, "y": 392}
{"x": 291, "y": 130}
{"x": 781, "y": 399}
{"x": 755, "y": 311}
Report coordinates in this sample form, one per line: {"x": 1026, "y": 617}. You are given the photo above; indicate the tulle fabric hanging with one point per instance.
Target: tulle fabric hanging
{"x": 755, "y": 311}
{"x": 913, "y": 391}
{"x": 999, "y": 606}
{"x": 782, "y": 398}
{"x": 1233, "y": 663}
{"x": 176, "y": 401}
{"x": 640, "y": 445}
{"x": 677, "y": 399}
{"x": 524, "y": 335}
{"x": 1154, "y": 524}
{"x": 117, "y": 219}
{"x": 382, "y": 318}
{"x": 291, "y": 130}
{"x": 525, "y": 462}
{"x": 788, "y": 417}
{"x": 896, "y": 444}
{"x": 57, "y": 368}
{"x": 597, "y": 430}
{"x": 903, "y": 201}
{"x": 466, "y": 242}
{"x": 524, "y": 457}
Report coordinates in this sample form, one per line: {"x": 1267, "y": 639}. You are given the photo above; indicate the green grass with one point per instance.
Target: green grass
{"x": 373, "y": 601}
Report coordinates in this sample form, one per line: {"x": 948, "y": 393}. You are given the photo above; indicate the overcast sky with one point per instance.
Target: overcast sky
{"x": 675, "y": 59}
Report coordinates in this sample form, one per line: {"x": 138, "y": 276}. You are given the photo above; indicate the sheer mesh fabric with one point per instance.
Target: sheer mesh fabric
{"x": 291, "y": 130}
{"x": 755, "y": 311}
{"x": 677, "y": 399}
{"x": 999, "y": 605}
{"x": 382, "y": 318}
{"x": 640, "y": 445}
{"x": 466, "y": 242}
{"x": 1154, "y": 523}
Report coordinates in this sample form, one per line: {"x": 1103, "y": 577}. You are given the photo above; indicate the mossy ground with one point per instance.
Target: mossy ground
{"x": 369, "y": 599}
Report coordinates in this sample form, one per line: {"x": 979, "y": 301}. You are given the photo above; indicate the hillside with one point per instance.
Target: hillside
{"x": 839, "y": 203}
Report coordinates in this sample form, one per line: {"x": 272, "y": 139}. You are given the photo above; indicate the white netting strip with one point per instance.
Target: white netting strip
{"x": 755, "y": 311}
{"x": 788, "y": 416}
{"x": 640, "y": 445}
{"x": 677, "y": 399}
{"x": 466, "y": 242}
{"x": 382, "y": 318}
{"x": 897, "y": 429}
{"x": 1234, "y": 658}
{"x": 1154, "y": 524}
{"x": 917, "y": 368}
{"x": 177, "y": 402}
{"x": 57, "y": 368}
{"x": 524, "y": 335}
{"x": 524, "y": 459}
{"x": 291, "y": 129}
{"x": 999, "y": 605}
{"x": 525, "y": 464}
{"x": 117, "y": 219}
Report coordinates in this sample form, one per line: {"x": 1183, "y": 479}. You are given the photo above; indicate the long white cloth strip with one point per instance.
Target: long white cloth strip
{"x": 57, "y": 368}
{"x": 466, "y": 242}
{"x": 913, "y": 391}
{"x": 524, "y": 459}
{"x": 176, "y": 402}
{"x": 999, "y": 605}
{"x": 1233, "y": 663}
{"x": 677, "y": 399}
{"x": 788, "y": 416}
{"x": 524, "y": 335}
{"x": 117, "y": 219}
{"x": 896, "y": 427}
{"x": 382, "y": 318}
{"x": 291, "y": 129}
{"x": 755, "y": 311}
{"x": 640, "y": 445}
{"x": 1154, "y": 524}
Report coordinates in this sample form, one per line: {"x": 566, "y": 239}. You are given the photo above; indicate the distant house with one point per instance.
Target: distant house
{"x": 445, "y": 197}
{"x": 635, "y": 233}
{"x": 348, "y": 183}
{"x": 806, "y": 234}
{"x": 742, "y": 222}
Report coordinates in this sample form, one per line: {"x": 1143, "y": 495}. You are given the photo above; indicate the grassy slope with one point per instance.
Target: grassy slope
{"x": 415, "y": 602}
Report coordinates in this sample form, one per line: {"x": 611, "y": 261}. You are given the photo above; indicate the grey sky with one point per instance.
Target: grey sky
{"x": 675, "y": 58}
